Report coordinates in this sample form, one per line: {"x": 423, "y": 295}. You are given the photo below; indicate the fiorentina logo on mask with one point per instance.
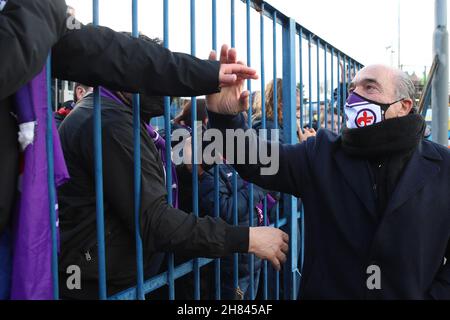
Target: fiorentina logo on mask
{"x": 365, "y": 117}
{"x": 361, "y": 113}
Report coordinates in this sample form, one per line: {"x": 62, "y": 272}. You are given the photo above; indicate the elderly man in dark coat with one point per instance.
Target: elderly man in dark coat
{"x": 376, "y": 197}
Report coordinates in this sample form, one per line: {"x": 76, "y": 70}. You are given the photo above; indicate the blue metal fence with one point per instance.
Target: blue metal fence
{"x": 328, "y": 69}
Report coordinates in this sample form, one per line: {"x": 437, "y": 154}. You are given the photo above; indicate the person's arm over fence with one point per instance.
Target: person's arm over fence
{"x": 95, "y": 55}
{"x": 28, "y": 30}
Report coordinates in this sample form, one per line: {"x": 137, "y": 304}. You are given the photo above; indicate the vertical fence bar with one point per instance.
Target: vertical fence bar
{"x": 290, "y": 125}
{"x": 194, "y": 154}
{"x": 332, "y": 88}
{"x": 318, "y": 82}
{"x": 216, "y": 167}
{"x": 263, "y": 118}
{"x": 339, "y": 98}
{"x": 325, "y": 87}
{"x": 349, "y": 75}
{"x": 233, "y": 24}
{"x": 310, "y": 80}
{"x": 275, "y": 120}
{"x": 51, "y": 180}
{"x": 167, "y": 126}
{"x": 300, "y": 41}
{"x": 137, "y": 171}
{"x": 344, "y": 85}
{"x": 301, "y": 128}
{"x": 195, "y": 207}
{"x": 250, "y": 186}
{"x": 234, "y": 176}
{"x": 99, "y": 178}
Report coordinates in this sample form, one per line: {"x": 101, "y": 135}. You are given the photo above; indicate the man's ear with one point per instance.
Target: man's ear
{"x": 406, "y": 107}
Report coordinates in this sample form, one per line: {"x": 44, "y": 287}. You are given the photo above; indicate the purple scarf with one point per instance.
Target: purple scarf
{"x": 160, "y": 144}
{"x": 32, "y": 244}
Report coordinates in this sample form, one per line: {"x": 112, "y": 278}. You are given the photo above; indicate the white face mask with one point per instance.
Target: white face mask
{"x": 361, "y": 112}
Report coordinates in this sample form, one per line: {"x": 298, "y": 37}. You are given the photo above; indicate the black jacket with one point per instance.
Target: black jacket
{"x": 163, "y": 228}
{"x": 30, "y": 29}
{"x": 344, "y": 235}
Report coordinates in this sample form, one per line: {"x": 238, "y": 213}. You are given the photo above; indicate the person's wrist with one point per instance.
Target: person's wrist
{"x": 251, "y": 241}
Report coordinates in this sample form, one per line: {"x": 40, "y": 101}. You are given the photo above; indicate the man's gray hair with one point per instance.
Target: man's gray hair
{"x": 406, "y": 88}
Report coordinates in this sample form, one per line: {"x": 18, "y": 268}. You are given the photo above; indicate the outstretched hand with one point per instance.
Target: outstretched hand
{"x": 269, "y": 243}
{"x": 232, "y": 99}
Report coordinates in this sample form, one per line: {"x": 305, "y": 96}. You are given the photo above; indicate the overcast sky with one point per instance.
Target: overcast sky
{"x": 366, "y": 30}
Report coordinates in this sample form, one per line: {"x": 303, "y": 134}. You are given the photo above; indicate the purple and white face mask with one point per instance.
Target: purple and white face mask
{"x": 361, "y": 112}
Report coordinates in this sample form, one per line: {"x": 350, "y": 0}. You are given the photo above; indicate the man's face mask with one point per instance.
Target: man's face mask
{"x": 361, "y": 112}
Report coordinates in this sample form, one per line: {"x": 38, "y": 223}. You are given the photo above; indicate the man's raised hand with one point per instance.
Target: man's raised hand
{"x": 232, "y": 99}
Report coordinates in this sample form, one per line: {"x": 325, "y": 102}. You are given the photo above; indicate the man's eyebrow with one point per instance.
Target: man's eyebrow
{"x": 370, "y": 81}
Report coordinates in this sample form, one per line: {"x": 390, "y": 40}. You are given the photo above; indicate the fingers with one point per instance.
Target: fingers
{"x": 285, "y": 248}
{"x": 242, "y": 71}
{"x": 281, "y": 257}
{"x": 275, "y": 263}
{"x": 231, "y": 73}
{"x": 228, "y": 79}
{"x": 277, "y": 260}
{"x": 224, "y": 54}
{"x": 285, "y": 237}
{"x": 213, "y": 56}
{"x": 232, "y": 55}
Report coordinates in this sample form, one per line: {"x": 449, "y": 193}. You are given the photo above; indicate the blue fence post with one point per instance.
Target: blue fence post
{"x": 263, "y": 118}
{"x": 300, "y": 42}
{"x": 332, "y": 88}
{"x": 318, "y": 82}
{"x": 302, "y": 216}
{"x": 310, "y": 80}
{"x": 137, "y": 171}
{"x": 345, "y": 77}
{"x": 167, "y": 127}
{"x": 250, "y": 112}
{"x": 99, "y": 178}
{"x": 217, "y": 279}
{"x": 194, "y": 154}
{"x": 339, "y": 98}
{"x": 51, "y": 180}
{"x": 289, "y": 124}
{"x": 234, "y": 177}
{"x": 325, "y": 88}
{"x": 275, "y": 120}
